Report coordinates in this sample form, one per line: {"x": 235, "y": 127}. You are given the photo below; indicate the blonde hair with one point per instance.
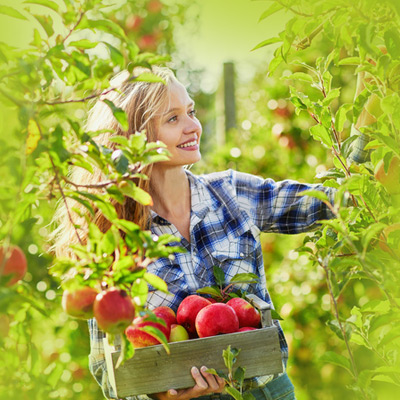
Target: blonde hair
{"x": 141, "y": 101}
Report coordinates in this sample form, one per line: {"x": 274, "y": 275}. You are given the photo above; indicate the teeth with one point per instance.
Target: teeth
{"x": 189, "y": 144}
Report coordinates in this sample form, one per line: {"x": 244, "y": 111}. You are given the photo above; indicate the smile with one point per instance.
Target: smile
{"x": 188, "y": 144}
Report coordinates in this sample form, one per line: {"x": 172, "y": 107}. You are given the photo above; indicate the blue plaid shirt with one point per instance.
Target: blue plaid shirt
{"x": 229, "y": 210}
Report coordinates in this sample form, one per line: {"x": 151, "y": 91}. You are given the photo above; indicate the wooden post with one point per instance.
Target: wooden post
{"x": 229, "y": 96}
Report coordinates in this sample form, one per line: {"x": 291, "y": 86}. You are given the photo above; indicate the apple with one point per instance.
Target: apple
{"x": 79, "y": 303}
{"x": 247, "y": 314}
{"x": 13, "y": 264}
{"x": 216, "y": 319}
{"x": 113, "y": 310}
{"x": 154, "y": 6}
{"x": 166, "y": 313}
{"x": 139, "y": 337}
{"x": 188, "y": 310}
{"x": 147, "y": 42}
{"x": 247, "y": 328}
{"x": 133, "y": 22}
{"x": 391, "y": 179}
{"x": 178, "y": 333}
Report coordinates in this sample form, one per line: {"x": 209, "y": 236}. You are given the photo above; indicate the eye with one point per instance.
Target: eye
{"x": 193, "y": 113}
{"x": 173, "y": 119}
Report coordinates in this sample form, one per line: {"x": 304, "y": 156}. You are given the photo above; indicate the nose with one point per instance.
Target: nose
{"x": 192, "y": 125}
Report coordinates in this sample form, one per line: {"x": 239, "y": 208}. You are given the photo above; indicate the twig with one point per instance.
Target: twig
{"x": 74, "y": 27}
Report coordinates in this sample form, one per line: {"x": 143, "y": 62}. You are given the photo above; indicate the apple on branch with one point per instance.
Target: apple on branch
{"x": 13, "y": 264}
{"x": 78, "y": 303}
{"x": 113, "y": 310}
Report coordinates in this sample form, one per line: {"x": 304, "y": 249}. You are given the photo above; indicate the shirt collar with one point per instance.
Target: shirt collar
{"x": 201, "y": 200}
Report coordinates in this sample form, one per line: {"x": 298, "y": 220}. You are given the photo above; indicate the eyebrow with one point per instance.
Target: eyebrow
{"x": 191, "y": 104}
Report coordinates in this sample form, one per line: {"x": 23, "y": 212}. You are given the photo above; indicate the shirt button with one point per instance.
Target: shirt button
{"x": 241, "y": 254}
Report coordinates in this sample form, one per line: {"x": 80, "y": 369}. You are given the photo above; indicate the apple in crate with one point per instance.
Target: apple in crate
{"x": 113, "y": 310}
{"x": 188, "y": 310}
{"x": 166, "y": 313}
{"x": 178, "y": 333}
{"x": 216, "y": 319}
{"x": 139, "y": 337}
{"x": 247, "y": 314}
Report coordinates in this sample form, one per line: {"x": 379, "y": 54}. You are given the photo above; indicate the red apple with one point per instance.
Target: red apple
{"x": 133, "y": 22}
{"x": 154, "y": 6}
{"x": 247, "y": 328}
{"x": 147, "y": 42}
{"x": 391, "y": 179}
{"x": 113, "y": 310}
{"x": 178, "y": 333}
{"x": 79, "y": 303}
{"x": 188, "y": 310}
{"x": 247, "y": 314}
{"x": 13, "y": 263}
{"x": 139, "y": 337}
{"x": 216, "y": 319}
{"x": 166, "y": 313}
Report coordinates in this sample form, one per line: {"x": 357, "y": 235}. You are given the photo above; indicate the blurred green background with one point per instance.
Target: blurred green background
{"x": 269, "y": 140}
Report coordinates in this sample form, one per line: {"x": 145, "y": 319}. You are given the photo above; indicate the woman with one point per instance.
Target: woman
{"x": 218, "y": 217}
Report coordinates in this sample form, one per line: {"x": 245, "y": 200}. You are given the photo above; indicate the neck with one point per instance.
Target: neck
{"x": 169, "y": 188}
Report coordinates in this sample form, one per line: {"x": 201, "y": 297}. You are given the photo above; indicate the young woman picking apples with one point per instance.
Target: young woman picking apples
{"x": 218, "y": 217}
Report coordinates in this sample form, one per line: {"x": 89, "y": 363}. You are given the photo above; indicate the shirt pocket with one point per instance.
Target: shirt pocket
{"x": 236, "y": 254}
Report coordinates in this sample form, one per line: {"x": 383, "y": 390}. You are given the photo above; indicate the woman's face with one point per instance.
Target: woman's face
{"x": 179, "y": 128}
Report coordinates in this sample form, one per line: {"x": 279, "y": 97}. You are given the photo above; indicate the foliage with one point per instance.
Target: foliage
{"x": 234, "y": 378}
{"x": 76, "y": 47}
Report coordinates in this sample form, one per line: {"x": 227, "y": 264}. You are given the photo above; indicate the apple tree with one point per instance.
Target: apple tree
{"x": 45, "y": 91}
{"x": 321, "y": 41}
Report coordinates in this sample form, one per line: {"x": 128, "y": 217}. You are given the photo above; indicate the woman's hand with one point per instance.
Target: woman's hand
{"x": 205, "y": 384}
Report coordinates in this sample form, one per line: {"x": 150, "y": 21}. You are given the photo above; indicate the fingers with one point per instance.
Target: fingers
{"x": 205, "y": 383}
{"x": 215, "y": 383}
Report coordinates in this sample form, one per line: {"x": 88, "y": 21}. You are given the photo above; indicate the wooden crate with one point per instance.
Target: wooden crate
{"x": 152, "y": 370}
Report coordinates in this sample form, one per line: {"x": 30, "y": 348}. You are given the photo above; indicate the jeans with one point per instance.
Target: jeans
{"x": 280, "y": 388}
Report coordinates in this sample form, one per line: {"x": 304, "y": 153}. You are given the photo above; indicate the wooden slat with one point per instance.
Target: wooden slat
{"x": 152, "y": 370}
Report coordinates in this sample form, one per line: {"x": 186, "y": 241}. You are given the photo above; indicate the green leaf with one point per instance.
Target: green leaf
{"x": 219, "y": 275}
{"x": 319, "y": 132}
{"x": 116, "y": 56}
{"x": 46, "y": 3}
{"x": 244, "y": 278}
{"x": 102, "y": 25}
{"x": 274, "y": 8}
{"x": 33, "y": 136}
{"x": 211, "y": 290}
{"x": 156, "y": 282}
{"x": 350, "y": 61}
{"x": 149, "y": 77}
{"x": 83, "y": 44}
{"x": 300, "y": 76}
{"x": 11, "y": 12}
{"x": 340, "y": 117}
{"x": 46, "y": 23}
{"x": 318, "y": 194}
{"x": 392, "y": 42}
{"x": 108, "y": 210}
{"x": 267, "y": 43}
{"x": 157, "y": 334}
{"x": 333, "y": 94}
{"x": 119, "y": 114}
{"x": 234, "y": 393}
{"x": 275, "y": 315}
{"x": 337, "y": 359}
{"x": 139, "y": 291}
